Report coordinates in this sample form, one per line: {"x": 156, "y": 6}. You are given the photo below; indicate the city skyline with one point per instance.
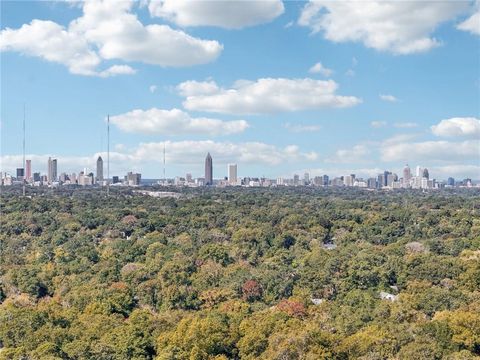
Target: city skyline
{"x": 347, "y": 105}
{"x": 419, "y": 179}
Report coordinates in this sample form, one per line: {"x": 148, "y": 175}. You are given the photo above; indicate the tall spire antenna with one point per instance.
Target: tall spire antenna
{"x": 164, "y": 177}
{"x": 24, "y": 150}
{"x": 108, "y": 155}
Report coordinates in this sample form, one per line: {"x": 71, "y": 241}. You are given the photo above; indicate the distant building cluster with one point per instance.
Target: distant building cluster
{"x": 51, "y": 178}
{"x": 386, "y": 180}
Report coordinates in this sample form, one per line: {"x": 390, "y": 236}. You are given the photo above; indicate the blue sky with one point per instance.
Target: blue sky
{"x": 400, "y": 84}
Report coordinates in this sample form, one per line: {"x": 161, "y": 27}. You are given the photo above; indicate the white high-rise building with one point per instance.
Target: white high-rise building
{"x": 407, "y": 175}
{"x": 232, "y": 174}
{"x": 419, "y": 171}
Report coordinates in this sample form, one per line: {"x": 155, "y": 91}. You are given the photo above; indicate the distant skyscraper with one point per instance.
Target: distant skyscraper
{"x": 28, "y": 169}
{"x": 306, "y": 178}
{"x": 451, "y": 181}
{"x": 99, "y": 169}
{"x": 20, "y": 173}
{"x": 54, "y": 169}
{"x": 296, "y": 179}
{"x": 50, "y": 170}
{"x": 325, "y": 180}
{"x": 425, "y": 173}
{"x": 419, "y": 172}
{"x": 407, "y": 175}
{"x": 380, "y": 181}
{"x": 385, "y": 177}
{"x": 232, "y": 174}
{"x": 188, "y": 178}
{"x": 208, "y": 170}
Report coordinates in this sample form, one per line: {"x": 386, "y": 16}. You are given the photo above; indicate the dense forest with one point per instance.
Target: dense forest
{"x": 240, "y": 274}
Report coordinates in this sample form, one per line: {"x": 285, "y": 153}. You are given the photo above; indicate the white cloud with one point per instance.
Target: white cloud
{"x": 319, "y": 68}
{"x": 472, "y": 24}
{"x": 191, "y": 153}
{"x": 458, "y": 171}
{"x": 225, "y": 14}
{"x": 458, "y": 126}
{"x": 117, "y": 70}
{"x": 174, "y": 122}
{"x": 388, "y": 98}
{"x": 193, "y": 88}
{"x": 266, "y": 95}
{"x": 108, "y": 30}
{"x": 152, "y": 88}
{"x": 405, "y": 125}
{"x": 299, "y": 128}
{"x": 357, "y": 153}
{"x": 52, "y": 42}
{"x": 400, "y": 27}
{"x": 378, "y": 124}
{"x": 431, "y": 150}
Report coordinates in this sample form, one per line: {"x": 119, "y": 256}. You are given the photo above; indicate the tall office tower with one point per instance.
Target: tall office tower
{"x": 325, "y": 180}
{"x": 50, "y": 170}
{"x": 451, "y": 181}
{"x": 385, "y": 177}
{"x": 419, "y": 171}
{"x": 188, "y": 178}
{"x": 407, "y": 175}
{"x": 306, "y": 178}
{"x": 208, "y": 170}
{"x": 348, "y": 180}
{"x": 425, "y": 173}
{"x": 232, "y": 174}
{"x": 99, "y": 169}
{"x": 28, "y": 170}
{"x": 390, "y": 179}
{"x": 20, "y": 174}
{"x": 372, "y": 183}
{"x": 296, "y": 179}
{"x": 380, "y": 181}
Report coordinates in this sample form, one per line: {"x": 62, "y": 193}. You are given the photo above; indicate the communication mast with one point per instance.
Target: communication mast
{"x": 108, "y": 155}
{"x": 24, "y": 173}
{"x": 164, "y": 177}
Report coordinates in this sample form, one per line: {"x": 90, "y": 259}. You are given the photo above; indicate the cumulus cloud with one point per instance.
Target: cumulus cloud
{"x": 458, "y": 126}
{"x": 193, "y": 88}
{"x": 400, "y": 27}
{"x": 152, "y": 88}
{"x": 267, "y": 95}
{"x": 472, "y": 24}
{"x": 378, "y": 124}
{"x": 191, "y": 153}
{"x": 318, "y": 68}
{"x": 388, "y": 98}
{"x": 299, "y": 128}
{"x": 459, "y": 171}
{"x": 108, "y": 30}
{"x": 174, "y": 122}
{"x": 431, "y": 150}
{"x": 224, "y": 14}
{"x": 357, "y": 153}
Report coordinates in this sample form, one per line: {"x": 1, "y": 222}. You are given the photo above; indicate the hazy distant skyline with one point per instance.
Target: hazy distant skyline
{"x": 278, "y": 88}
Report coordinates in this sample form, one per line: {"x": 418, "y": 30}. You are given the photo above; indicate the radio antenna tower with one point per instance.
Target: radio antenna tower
{"x": 108, "y": 155}
{"x": 23, "y": 189}
{"x": 164, "y": 177}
